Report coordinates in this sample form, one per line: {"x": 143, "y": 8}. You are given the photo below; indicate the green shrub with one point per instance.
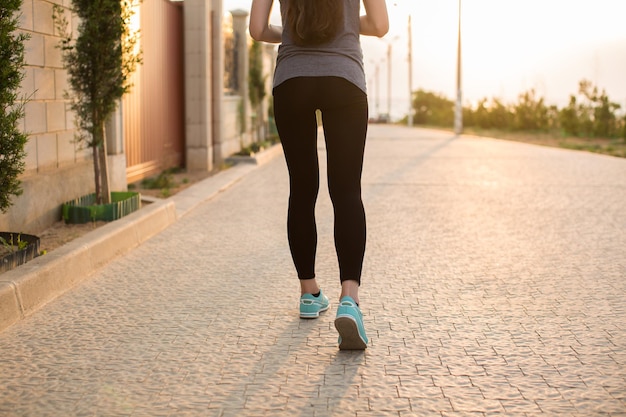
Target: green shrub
{"x": 12, "y": 139}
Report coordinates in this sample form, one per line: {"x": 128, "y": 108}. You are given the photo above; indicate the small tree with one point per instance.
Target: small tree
{"x": 568, "y": 117}
{"x": 530, "y": 112}
{"x": 591, "y": 114}
{"x": 604, "y": 118}
{"x": 432, "y": 109}
{"x": 12, "y": 139}
{"x": 99, "y": 64}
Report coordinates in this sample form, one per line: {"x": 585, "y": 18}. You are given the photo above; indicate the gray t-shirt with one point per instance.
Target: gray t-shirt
{"x": 341, "y": 57}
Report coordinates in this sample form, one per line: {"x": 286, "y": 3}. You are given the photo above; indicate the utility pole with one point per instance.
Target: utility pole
{"x": 458, "y": 113}
{"x": 410, "y": 116}
{"x": 389, "y": 43}
{"x": 389, "y": 81}
{"x": 377, "y": 87}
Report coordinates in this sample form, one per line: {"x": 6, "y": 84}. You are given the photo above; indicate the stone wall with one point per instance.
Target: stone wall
{"x": 56, "y": 169}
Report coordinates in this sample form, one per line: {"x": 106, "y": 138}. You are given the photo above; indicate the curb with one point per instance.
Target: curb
{"x": 28, "y": 288}
{"x": 258, "y": 158}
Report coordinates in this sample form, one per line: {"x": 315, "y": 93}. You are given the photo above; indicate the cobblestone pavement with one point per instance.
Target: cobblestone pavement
{"x": 494, "y": 284}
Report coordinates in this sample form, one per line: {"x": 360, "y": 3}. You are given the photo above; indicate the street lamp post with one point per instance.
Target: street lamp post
{"x": 389, "y": 81}
{"x": 406, "y": 8}
{"x": 410, "y": 116}
{"x": 389, "y": 45}
{"x": 377, "y": 90}
{"x": 458, "y": 113}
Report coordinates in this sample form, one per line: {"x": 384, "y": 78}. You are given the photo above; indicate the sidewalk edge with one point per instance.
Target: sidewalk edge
{"x": 26, "y": 289}
{"x": 31, "y": 286}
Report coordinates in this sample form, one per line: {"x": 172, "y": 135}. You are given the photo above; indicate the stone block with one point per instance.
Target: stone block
{"x": 61, "y": 85}
{"x": 42, "y": 17}
{"x": 53, "y": 56}
{"x": 196, "y": 135}
{"x": 44, "y": 84}
{"x": 70, "y": 117}
{"x": 67, "y": 149}
{"x": 35, "y": 117}
{"x": 193, "y": 111}
{"x": 34, "y": 50}
{"x": 26, "y": 15}
{"x": 27, "y": 88}
{"x": 199, "y": 159}
{"x": 55, "y": 116}
{"x": 47, "y": 156}
{"x": 31, "y": 155}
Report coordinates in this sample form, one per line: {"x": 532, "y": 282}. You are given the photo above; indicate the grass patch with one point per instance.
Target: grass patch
{"x": 613, "y": 147}
{"x": 257, "y": 147}
{"x": 165, "y": 182}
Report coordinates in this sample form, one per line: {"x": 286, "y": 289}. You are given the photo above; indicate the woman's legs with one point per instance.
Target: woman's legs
{"x": 344, "y": 109}
{"x": 297, "y": 127}
{"x": 345, "y": 129}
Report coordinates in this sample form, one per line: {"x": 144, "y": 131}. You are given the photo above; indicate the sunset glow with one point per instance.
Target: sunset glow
{"x": 508, "y": 47}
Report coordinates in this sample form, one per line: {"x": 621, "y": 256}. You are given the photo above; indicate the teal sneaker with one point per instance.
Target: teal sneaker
{"x": 311, "y": 307}
{"x": 349, "y": 324}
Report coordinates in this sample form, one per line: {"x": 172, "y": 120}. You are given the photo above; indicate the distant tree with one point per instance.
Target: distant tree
{"x": 12, "y": 139}
{"x": 530, "y": 112}
{"x": 605, "y": 122}
{"x": 568, "y": 117}
{"x": 489, "y": 115}
{"x": 479, "y": 117}
{"x": 432, "y": 109}
{"x": 553, "y": 117}
{"x": 588, "y": 94}
{"x": 500, "y": 115}
{"x": 590, "y": 113}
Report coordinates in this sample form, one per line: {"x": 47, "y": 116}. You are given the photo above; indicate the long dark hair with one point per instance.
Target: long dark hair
{"x": 313, "y": 22}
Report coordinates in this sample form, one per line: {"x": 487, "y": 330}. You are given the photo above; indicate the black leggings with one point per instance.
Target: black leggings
{"x": 344, "y": 114}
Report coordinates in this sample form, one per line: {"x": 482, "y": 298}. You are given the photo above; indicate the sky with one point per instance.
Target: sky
{"x": 508, "y": 47}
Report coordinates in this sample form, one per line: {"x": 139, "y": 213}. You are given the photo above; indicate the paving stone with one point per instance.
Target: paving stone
{"x": 494, "y": 284}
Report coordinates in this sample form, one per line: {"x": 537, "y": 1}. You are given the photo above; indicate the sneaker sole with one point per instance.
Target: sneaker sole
{"x": 313, "y": 315}
{"x": 349, "y": 332}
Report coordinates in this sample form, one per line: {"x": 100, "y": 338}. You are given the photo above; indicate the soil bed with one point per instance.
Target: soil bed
{"x": 60, "y": 233}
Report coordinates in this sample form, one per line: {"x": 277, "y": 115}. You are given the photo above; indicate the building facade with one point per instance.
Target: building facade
{"x": 179, "y": 112}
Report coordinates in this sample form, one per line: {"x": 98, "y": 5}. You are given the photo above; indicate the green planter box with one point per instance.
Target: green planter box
{"x": 19, "y": 257}
{"x": 85, "y": 209}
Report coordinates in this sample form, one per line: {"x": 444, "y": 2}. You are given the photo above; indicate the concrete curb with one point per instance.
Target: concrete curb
{"x": 28, "y": 288}
{"x": 259, "y": 158}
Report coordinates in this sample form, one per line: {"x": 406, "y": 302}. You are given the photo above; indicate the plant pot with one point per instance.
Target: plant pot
{"x": 19, "y": 256}
{"x": 85, "y": 209}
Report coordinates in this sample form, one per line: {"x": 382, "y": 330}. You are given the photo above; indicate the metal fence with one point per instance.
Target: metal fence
{"x": 154, "y": 110}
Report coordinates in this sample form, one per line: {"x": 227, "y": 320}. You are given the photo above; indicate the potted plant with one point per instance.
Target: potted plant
{"x": 15, "y": 248}
{"x": 99, "y": 63}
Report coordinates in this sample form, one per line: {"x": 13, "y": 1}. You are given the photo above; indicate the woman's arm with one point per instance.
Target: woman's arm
{"x": 375, "y": 22}
{"x": 260, "y": 28}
